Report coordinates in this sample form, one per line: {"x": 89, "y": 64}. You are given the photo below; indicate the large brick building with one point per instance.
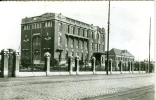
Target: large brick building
{"x": 61, "y": 37}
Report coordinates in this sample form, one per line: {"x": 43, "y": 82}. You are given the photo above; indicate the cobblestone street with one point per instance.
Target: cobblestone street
{"x": 72, "y": 90}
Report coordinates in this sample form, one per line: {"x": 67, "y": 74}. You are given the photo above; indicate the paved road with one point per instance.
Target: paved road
{"x": 72, "y": 89}
{"x": 143, "y": 93}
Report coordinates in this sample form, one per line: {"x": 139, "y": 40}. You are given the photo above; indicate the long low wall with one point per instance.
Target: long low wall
{"x": 27, "y": 74}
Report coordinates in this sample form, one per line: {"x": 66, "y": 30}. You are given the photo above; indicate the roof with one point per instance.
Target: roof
{"x": 55, "y": 16}
{"x": 115, "y": 51}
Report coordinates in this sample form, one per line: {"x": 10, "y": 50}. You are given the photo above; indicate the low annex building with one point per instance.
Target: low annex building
{"x": 120, "y": 55}
{"x": 61, "y": 37}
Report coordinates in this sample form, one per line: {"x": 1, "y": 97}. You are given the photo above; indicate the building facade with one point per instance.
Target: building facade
{"x": 118, "y": 55}
{"x": 61, "y": 37}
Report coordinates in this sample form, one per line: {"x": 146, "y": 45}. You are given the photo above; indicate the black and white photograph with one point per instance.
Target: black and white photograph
{"x": 77, "y": 50}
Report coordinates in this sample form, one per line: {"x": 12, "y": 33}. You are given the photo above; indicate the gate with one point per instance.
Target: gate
{"x": 10, "y": 64}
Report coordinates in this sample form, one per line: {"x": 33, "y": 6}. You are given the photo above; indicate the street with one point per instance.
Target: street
{"x": 72, "y": 89}
{"x": 143, "y": 93}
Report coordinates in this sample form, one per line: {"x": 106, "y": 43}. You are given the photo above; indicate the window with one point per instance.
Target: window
{"x": 48, "y": 24}
{"x": 83, "y": 33}
{"x": 79, "y": 31}
{"x": 77, "y": 43}
{"x": 26, "y": 53}
{"x": 97, "y": 36}
{"x": 36, "y": 41}
{"x": 81, "y": 45}
{"x": 72, "y": 43}
{"x": 71, "y": 29}
{"x": 92, "y": 35}
{"x": 36, "y": 55}
{"x": 86, "y": 45}
{"x": 66, "y": 42}
{"x": 26, "y": 27}
{"x": 99, "y": 48}
{"x": 66, "y": 56}
{"x": 67, "y": 29}
{"x": 60, "y": 27}
{"x": 96, "y": 46}
{"x": 103, "y": 48}
{"x": 87, "y": 34}
{"x": 82, "y": 57}
{"x": 59, "y": 41}
{"x": 91, "y": 46}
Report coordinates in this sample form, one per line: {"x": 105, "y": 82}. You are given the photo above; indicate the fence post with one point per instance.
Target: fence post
{"x": 4, "y": 67}
{"x": 16, "y": 63}
{"x": 70, "y": 65}
{"x": 120, "y": 66}
{"x": 93, "y": 65}
{"x": 110, "y": 60}
{"x": 129, "y": 66}
{"x": 139, "y": 67}
{"x": 132, "y": 66}
{"x": 47, "y": 56}
{"x": 77, "y": 64}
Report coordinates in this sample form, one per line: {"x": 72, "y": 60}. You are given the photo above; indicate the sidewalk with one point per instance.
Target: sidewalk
{"x": 53, "y": 79}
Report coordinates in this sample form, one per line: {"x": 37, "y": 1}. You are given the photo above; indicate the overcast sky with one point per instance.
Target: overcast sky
{"x": 129, "y": 21}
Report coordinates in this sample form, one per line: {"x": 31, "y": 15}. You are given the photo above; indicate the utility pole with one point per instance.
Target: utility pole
{"x": 149, "y": 44}
{"x": 108, "y": 38}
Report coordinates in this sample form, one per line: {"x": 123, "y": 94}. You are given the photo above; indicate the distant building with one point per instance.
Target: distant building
{"x": 61, "y": 37}
{"x": 116, "y": 55}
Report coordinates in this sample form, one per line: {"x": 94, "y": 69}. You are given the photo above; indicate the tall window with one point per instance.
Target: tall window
{"x": 81, "y": 44}
{"x": 66, "y": 56}
{"x": 72, "y": 43}
{"x": 36, "y": 54}
{"x": 99, "y": 48}
{"x": 92, "y": 35}
{"x": 59, "y": 41}
{"x": 66, "y": 43}
{"x": 83, "y": 32}
{"x": 60, "y": 27}
{"x": 36, "y": 41}
{"x": 71, "y": 29}
{"x": 103, "y": 48}
{"x": 87, "y": 34}
{"x": 97, "y": 36}
{"x": 96, "y": 46}
{"x": 79, "y": 31}
{"x": 86, "y": 45}
{"x": 68, "y": 29}
{"x": 77, "y": 44}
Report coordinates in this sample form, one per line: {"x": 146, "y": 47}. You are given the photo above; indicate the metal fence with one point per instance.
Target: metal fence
{"x": 57, "y": 66}
{"x": 85, "y": 66}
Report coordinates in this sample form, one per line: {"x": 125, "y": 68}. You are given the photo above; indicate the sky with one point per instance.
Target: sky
{"x": 129, "y": 21}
